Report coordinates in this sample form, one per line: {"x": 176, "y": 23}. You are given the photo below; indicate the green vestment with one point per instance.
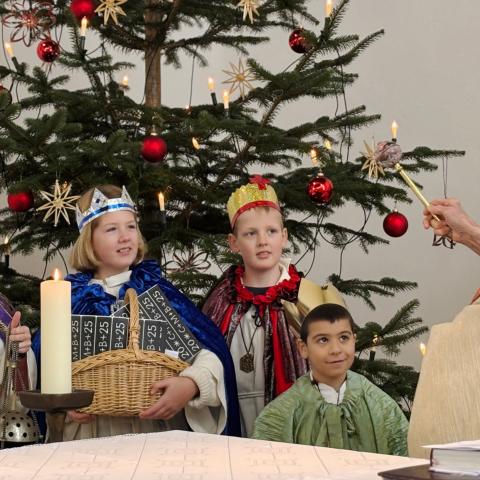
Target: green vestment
{"x": 367, "y": 419}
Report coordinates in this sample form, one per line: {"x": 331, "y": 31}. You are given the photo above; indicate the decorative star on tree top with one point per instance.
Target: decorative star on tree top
{"x": 250, "y": 7}
{"x": 111, "y": 8}
{"x": 240, "y": 78}
{"x": 59, "y": 202}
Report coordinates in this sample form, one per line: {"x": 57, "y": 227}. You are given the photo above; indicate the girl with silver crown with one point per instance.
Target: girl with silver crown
{"x": 109, "y": 257}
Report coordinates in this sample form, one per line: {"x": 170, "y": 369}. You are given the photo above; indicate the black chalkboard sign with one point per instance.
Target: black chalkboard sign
{"x": 161, "y": 329}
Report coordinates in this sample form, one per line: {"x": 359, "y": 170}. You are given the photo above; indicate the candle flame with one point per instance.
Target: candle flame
{"x": 394, "y": 129}
{"x": 375, "y": 340}
{"x": 161, "y": 201}
{"x": 211, "y": 84}
{"x": 125, "y": 81}
{"x": 328, "y": 8}
{"x": 9, "y": 49}
{"x": 83, "y": 26}
{"x": 327, "y": 144}
{"x": 195, "y": 143}
{"x": 57, "y": 275}
{"x": 423, "y": 349}
{"x": 313, "y": 156}
{"x": 226, "y": 99}
{"x": 6, "y": 240}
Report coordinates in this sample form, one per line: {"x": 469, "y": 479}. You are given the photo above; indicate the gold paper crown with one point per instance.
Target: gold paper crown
{"x": 257, "y": 193}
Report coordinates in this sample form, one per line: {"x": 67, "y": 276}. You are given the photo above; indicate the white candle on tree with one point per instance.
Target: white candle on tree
{"x": 56, "y": 328}
{"x": 161, "y": 201}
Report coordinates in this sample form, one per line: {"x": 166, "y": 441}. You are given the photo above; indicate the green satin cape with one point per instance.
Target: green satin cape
{"x": 367, "y": 420}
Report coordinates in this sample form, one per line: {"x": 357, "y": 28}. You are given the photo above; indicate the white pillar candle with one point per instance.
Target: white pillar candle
{"x": 56, "y": 328}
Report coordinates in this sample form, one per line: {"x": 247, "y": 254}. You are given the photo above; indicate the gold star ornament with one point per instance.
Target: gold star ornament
{"x": 111, "y": 8}
{"x": 250, "y": 8}
{"x": 371, "y": 164}
{"x": 239, "y": 78}
{"x": 58, "y": 203}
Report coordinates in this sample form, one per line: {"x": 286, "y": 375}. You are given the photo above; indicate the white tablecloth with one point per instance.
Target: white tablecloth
{"x": 179, "y": 455}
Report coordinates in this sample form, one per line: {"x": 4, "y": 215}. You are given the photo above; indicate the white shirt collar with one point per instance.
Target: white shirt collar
{"x": 114, "y": 283}
{"x": 284, "y": 264}
{"x": 329, "y": 394}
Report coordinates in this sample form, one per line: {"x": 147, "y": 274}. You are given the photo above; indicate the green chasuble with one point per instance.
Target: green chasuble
{"x": 367, "y": 420}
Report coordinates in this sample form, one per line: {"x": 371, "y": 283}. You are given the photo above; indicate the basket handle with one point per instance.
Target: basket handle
{"x": 134, "y": 324}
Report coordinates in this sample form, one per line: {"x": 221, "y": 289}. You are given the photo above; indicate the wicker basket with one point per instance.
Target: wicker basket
{"x": 121, "y": 379}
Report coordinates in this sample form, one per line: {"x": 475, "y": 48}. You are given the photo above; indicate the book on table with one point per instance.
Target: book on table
{"x": 449, "y": 461}
{"x": 458, "y": 457}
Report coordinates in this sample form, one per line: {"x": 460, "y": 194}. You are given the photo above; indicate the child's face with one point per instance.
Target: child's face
{"x": 115, "y": 242}
{"x": 259, "y": 239}
{"x": 330, "y": 350}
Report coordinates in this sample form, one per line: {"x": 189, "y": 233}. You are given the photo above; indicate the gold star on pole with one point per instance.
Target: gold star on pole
{"x": 374, "y": 167}
{"x": 250, "y": 7}
{"x": 240, "y": 78}
{"x": 111, "y": 8}
{"x": 59, "y": 202}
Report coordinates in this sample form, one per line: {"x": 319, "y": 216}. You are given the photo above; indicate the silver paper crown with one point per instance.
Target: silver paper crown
{"x": 100, "y": 205}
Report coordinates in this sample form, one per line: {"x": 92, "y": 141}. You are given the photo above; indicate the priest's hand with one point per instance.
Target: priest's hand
{"x": 177, "y": 392}
{"x": 20, "y": 333}
{"x": 80, "y": 417}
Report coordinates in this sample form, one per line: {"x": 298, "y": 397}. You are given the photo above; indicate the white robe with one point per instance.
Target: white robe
{"x": 251, "y": 386}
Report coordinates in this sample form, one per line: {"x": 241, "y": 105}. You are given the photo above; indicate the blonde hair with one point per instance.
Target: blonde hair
{"x": 83, "y": 257}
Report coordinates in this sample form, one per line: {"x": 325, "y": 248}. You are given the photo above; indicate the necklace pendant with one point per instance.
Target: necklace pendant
{"x": 246, "y": 363}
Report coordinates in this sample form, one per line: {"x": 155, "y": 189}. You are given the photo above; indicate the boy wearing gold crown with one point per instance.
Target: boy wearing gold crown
{"x": 259, "y": 305}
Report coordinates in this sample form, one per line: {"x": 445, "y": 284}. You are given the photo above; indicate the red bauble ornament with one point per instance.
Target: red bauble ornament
{"x": 20, "y": 201}
{"x": 48, "y": 50}
{"x": 297, "y": 41}
{"x": 320, "y": 189}
{"x": 395, "y": 224}
{"x": 82, "y": 8}
{"x": 154, "y": 149}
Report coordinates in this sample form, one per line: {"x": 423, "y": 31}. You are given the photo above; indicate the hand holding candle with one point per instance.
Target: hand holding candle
{"x": 56, "y": 342}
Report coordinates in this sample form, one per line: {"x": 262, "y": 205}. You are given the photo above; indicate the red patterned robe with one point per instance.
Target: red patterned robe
{"x": 257, "y": 325}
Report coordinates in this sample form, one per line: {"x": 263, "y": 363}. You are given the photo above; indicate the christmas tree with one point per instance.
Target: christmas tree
{"x": 56, "y": 141}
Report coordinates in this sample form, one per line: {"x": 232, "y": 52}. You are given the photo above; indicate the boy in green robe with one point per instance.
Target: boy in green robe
{"x": 332, "y": 406}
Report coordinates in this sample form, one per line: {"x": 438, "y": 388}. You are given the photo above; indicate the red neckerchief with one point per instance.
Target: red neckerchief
{"x": 286, "y": 289}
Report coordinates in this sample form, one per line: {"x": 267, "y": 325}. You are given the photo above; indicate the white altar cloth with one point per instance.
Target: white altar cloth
{"x": 179, "y": 455}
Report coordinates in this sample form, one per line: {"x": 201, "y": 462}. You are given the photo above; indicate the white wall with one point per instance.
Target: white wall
{"x": 423, "y": 73}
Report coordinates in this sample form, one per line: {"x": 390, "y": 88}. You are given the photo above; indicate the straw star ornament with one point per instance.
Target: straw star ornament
{"x": 371, "y": 164}
{"x": 111, "y": 8}
{"x": 58, "y": 203}
{"x": 239, "y": 78}
{"x": 250, "y": 8}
